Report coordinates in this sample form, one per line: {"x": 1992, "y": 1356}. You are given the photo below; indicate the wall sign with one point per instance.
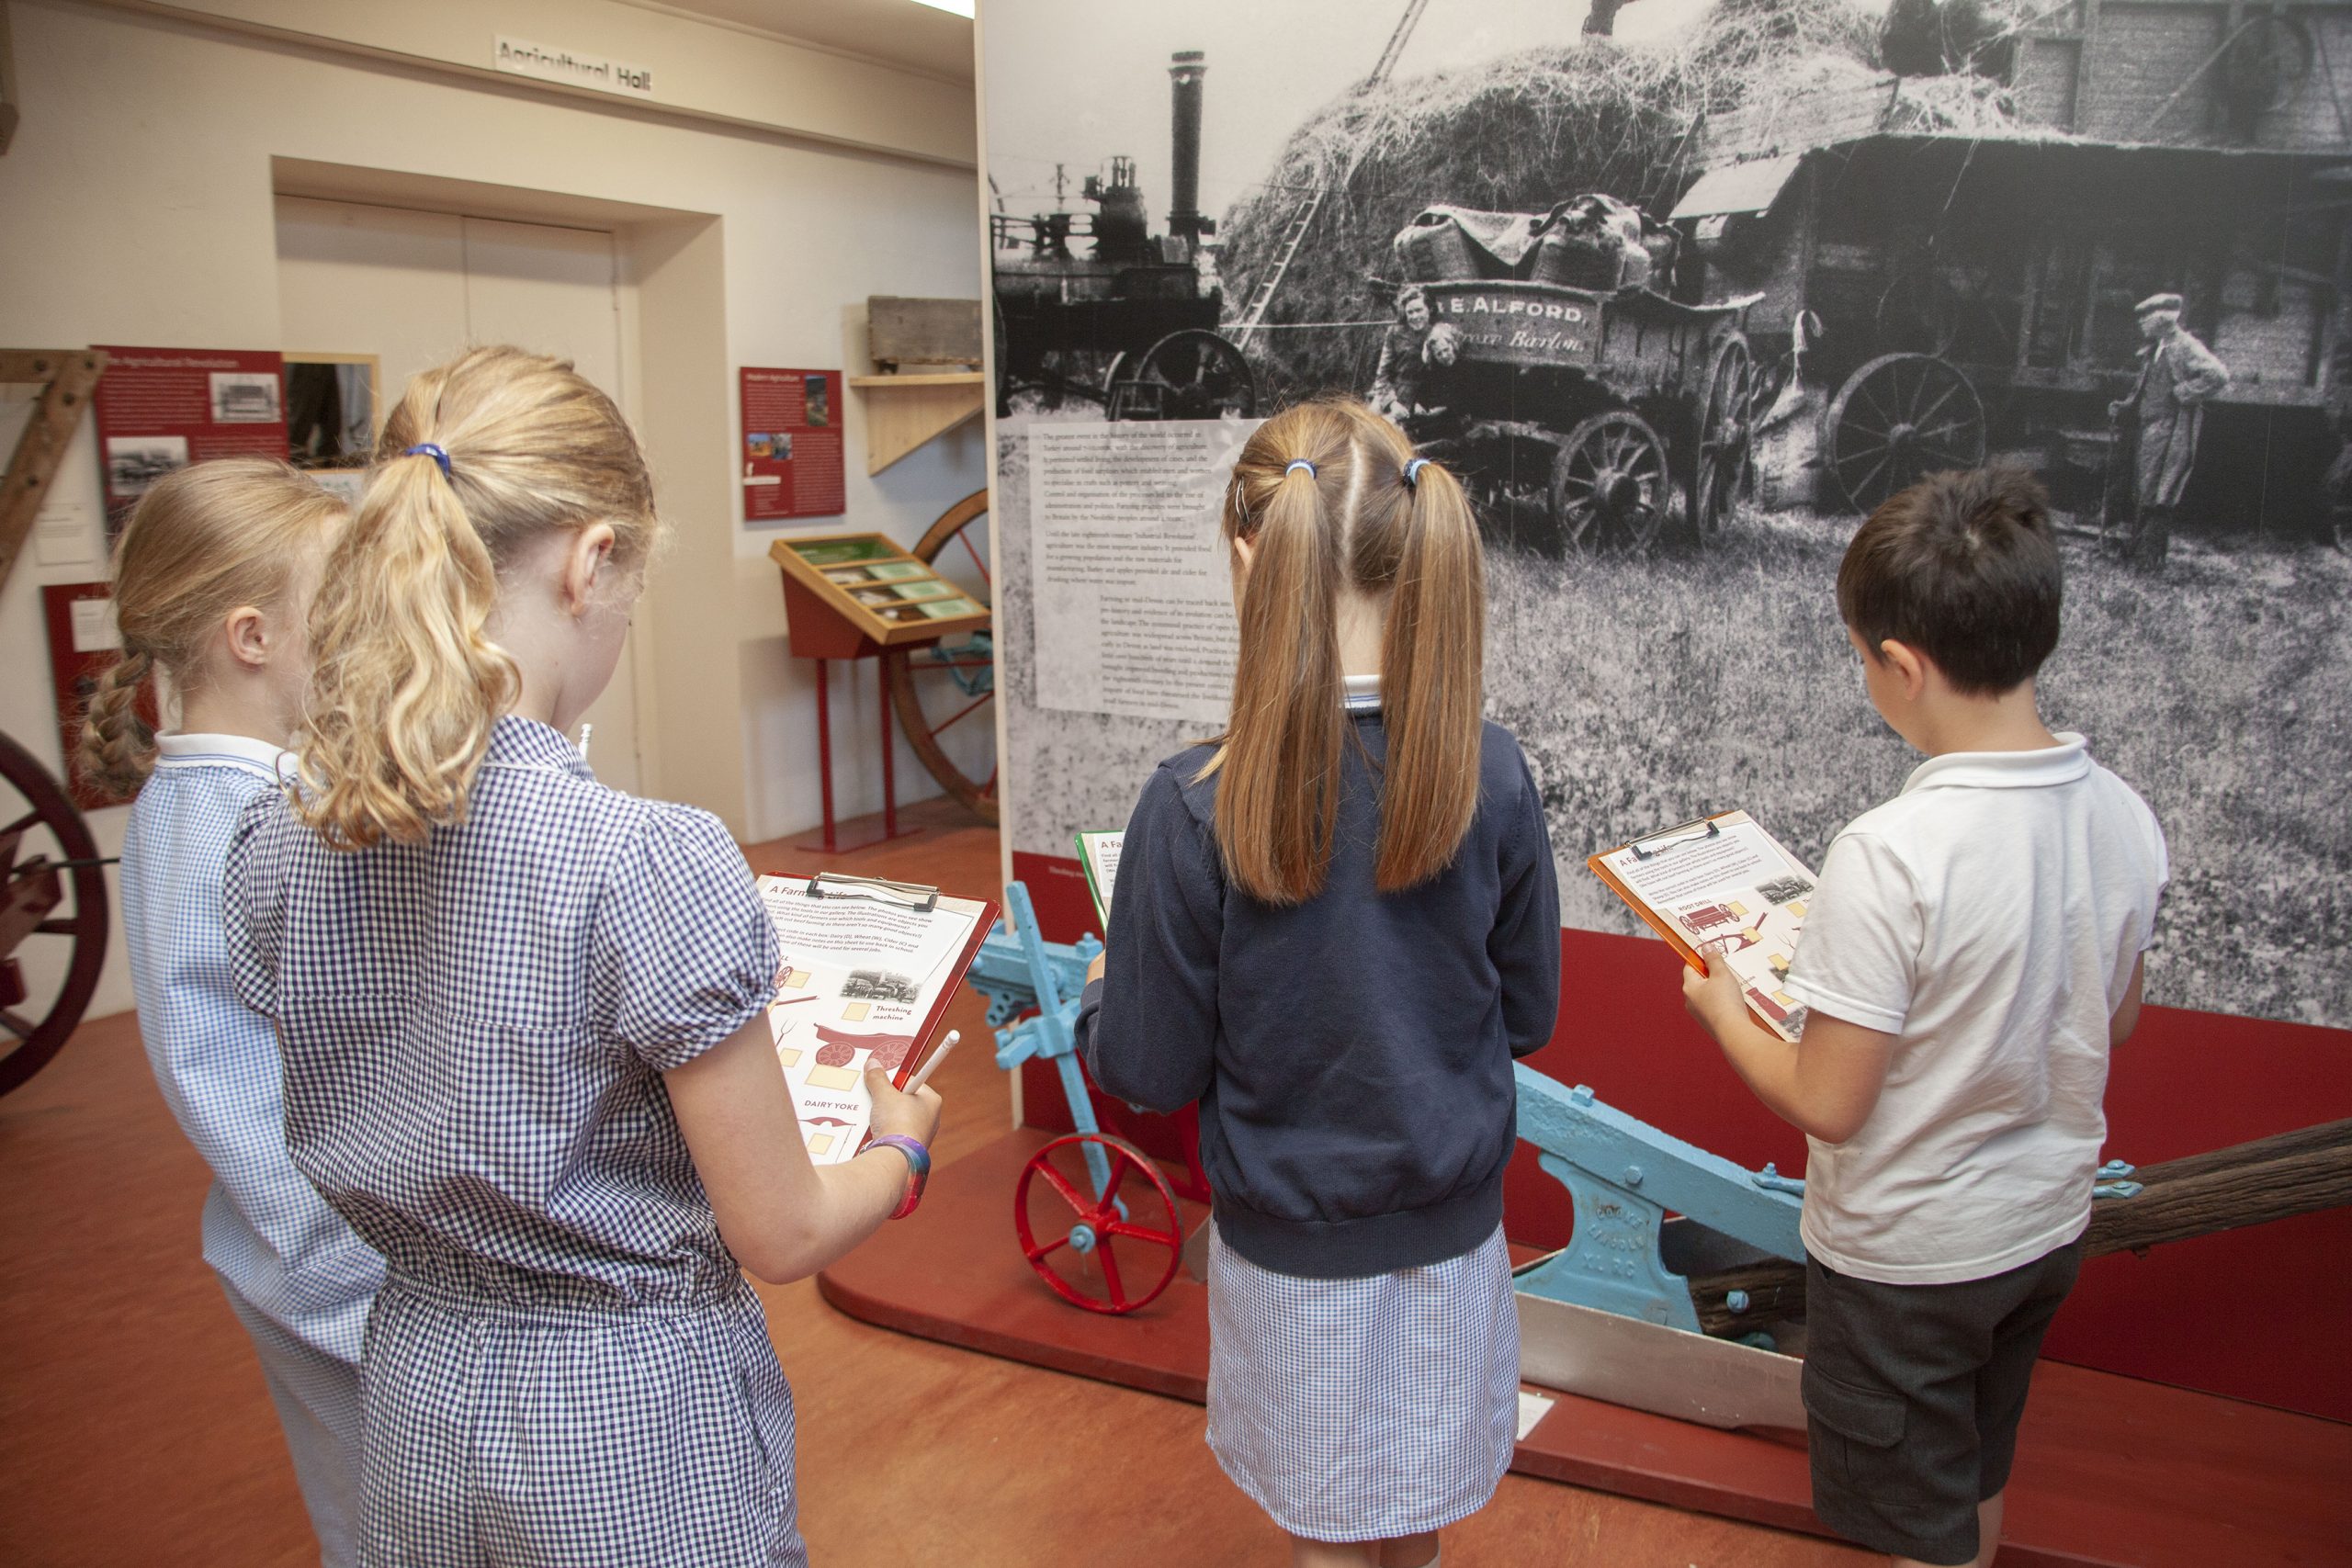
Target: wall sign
{"x": 573, "y": 68}
{"x": 792, "y": 444}
{"x": 160, "y": 408}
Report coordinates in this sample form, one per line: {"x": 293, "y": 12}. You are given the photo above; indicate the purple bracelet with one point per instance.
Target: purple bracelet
{"x": 918, "y": 1169}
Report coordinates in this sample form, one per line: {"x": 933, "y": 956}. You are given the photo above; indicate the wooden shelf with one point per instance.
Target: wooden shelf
{"x": 910, "y": 409}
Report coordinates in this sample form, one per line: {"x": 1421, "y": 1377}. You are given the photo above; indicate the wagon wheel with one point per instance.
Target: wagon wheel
{"x": 1609, "y": 485}
{"x": 1081, "y": 1263}
{"x": 1897, "y": 419}
{"x": 1193, "y": 374}
{"x": 944, "y": 689}
{"x": 1721, "y": 474}
{"x": 54, "y": 906}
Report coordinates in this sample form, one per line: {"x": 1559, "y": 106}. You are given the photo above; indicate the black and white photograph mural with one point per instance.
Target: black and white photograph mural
{"x": 1683, "y": 289}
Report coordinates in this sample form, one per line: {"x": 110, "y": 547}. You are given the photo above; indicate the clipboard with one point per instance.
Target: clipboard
{"x": 1098, "y": 854}
{"x": 869, "y": 1003}
{"x": 1748, "y": 914}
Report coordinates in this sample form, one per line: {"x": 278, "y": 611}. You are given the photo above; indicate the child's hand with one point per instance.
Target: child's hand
{"x": 1094, "y": 970}
{"x": 912, "y": 1115}
{"x": 1713, "y": 997}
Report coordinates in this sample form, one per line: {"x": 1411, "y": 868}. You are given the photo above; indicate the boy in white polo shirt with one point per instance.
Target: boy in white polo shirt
{"x": 1971, "y": 953}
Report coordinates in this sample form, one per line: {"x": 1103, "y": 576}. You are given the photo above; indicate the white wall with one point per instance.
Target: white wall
{"x": 136, "y": 206}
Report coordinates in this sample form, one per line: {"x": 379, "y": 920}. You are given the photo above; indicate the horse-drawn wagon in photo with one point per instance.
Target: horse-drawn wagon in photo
{"x": 1587, "y": 409}
{"x": 1133, "y": 324}
{"x": 1948, "y": 267}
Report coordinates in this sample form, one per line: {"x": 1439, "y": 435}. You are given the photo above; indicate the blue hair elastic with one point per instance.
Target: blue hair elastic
{"x": 1413, "y": 472}
{"x": 1298, "y": 463}
{"x": 438, "y": 455}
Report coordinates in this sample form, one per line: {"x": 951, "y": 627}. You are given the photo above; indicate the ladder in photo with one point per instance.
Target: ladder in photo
{"x": 1263, "y": 295}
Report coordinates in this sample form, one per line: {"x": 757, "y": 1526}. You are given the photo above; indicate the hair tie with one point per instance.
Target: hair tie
{"x": 1413, "y": 472}
{"x": 439, "y": 455}
{"x": 1298, "y": 463}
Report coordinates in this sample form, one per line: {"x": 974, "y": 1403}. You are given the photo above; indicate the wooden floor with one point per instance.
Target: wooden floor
{"x": 134, "y": 1429}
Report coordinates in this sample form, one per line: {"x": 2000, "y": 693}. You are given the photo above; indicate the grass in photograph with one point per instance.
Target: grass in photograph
{"x": 1650, "y": 692}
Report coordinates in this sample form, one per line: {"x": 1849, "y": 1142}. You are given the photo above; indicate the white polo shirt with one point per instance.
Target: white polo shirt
{"x": 1989, "y": 917}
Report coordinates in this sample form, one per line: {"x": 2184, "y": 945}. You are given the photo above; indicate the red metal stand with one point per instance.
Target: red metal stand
{"x": 819, "y": 634}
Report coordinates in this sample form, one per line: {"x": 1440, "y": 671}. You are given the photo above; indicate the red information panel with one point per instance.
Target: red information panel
{"x": 160, "y": 409}
{"x": 83, "y": 644}
{"x": 792, "y": 444}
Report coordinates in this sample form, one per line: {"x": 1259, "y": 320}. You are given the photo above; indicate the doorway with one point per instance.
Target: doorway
{"x": 412, "y": 289}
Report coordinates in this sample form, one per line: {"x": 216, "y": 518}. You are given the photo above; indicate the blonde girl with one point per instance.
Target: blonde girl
{"x": 1335, "y": 929}
{"x": 213, "y": 578}
{"x": 522, "y": 1023}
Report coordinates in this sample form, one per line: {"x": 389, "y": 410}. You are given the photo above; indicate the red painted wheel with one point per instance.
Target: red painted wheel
{"x": 1085, "y": 1235}
{"x": 51, "y": 888}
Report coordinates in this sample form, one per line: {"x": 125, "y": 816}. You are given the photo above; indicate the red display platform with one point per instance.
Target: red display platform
{"x": 2111, "y": 1470}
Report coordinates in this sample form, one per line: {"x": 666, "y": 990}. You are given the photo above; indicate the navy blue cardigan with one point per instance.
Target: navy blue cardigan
{"x": 1352, "y": 1055}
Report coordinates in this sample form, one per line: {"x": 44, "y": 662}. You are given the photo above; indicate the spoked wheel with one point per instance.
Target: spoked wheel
{"x": 942, "y": 693}
{"x": 1721, "y": 474}
{"x": 1096, "y": 1249}
{"x": 1193, "y": 374}
{"x": 1609, "y": 488}
{"x": 52, "y": 916}
{"x": 1896, "y": 420}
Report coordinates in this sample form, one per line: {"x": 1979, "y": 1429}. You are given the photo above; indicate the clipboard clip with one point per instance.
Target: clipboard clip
{"x": 920, "y": 898}
{"x": 1674, "y": 838}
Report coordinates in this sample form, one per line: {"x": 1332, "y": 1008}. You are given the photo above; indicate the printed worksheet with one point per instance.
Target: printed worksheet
{"x": 867, "y": 972}
{"x": 1099, "y": 853}
{"x": 1722, "y": 890}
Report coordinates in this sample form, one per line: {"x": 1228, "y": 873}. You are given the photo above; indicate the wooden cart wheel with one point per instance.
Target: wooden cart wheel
{"x": 1720, "y": 476}
{"x": 1193, "y": 374}
{"x": 947, "y": 688}
{"x": 1085, "y": 1232}
{"x": 52, "y": 907}
{"x": 1611, "y": 490}
{"x": 1897, "y": 419}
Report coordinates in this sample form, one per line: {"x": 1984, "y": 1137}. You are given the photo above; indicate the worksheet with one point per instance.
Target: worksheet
{"x": 1099, "y": 853}
{"x": 867, "y": 970}
{"x": 1722, "y": 890}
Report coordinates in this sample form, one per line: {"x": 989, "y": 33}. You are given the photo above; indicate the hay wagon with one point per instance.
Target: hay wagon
{"x": 1936, "y": 281}
{"x": 1587, "y": 411}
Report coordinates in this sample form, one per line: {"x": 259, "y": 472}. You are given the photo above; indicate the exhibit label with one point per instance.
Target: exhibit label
{"x": 572, "y": 67}
{"x": 1134, "y": 596}
{"x": 792, "y": 444}
{"x": 160, "y": 408}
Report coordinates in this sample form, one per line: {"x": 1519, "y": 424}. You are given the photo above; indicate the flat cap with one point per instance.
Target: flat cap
{"x": 2157, "y": 302}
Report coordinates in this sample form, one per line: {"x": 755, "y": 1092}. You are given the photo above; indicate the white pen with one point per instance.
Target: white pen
{"x": 586, "y": 730}
{"x": 937, "y": 1057}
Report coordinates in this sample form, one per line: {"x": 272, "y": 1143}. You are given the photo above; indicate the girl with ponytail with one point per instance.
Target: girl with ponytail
{"x": 1335, "y": 926}
{"x": 212, "y": 580}
{"x": 523, "y": 1021}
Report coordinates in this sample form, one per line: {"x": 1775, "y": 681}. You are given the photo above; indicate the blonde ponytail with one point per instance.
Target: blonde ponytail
{"x": 1432, "y": 689}
{"x": 203, "y": 541}
{"x": 482, "y": 455}
{"x": 1323, "y": 495}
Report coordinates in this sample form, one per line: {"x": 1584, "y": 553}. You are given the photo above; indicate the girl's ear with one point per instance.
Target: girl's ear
{"x": 584, "y": 559}
{"x": 245, "y": 634}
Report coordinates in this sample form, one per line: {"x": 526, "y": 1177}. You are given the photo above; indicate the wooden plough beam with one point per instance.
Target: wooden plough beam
{"x": 2247, "y": 1184}
{"x": 66, "y": 378}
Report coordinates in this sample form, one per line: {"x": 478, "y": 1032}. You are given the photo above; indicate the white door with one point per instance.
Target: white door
{"x": 413, "y": 289}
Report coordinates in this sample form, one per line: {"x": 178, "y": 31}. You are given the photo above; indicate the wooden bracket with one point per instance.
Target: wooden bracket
{"x": 66, "y": 377}
{"x": 907, "y": 411}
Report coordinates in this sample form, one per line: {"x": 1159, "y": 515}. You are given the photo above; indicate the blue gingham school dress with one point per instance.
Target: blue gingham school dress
{"x": 1369, "y": 1408}
{"x": 296, "y": 1276}
{"x": 565, "y": 1366}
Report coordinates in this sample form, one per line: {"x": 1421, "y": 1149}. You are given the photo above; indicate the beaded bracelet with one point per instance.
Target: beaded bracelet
{"x": 918, "y": 1169}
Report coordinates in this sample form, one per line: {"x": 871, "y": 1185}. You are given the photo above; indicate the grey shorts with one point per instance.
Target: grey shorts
{"x": 1913, "y": 1394}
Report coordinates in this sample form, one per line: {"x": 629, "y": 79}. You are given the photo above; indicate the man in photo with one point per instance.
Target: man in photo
{"x": 2164, "y": 413}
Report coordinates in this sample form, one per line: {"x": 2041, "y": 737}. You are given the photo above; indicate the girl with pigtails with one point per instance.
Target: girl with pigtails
{"x": 522, "y": 1023}
{"x": 212, "y": 580}
{"x": 1335, "y": 926}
